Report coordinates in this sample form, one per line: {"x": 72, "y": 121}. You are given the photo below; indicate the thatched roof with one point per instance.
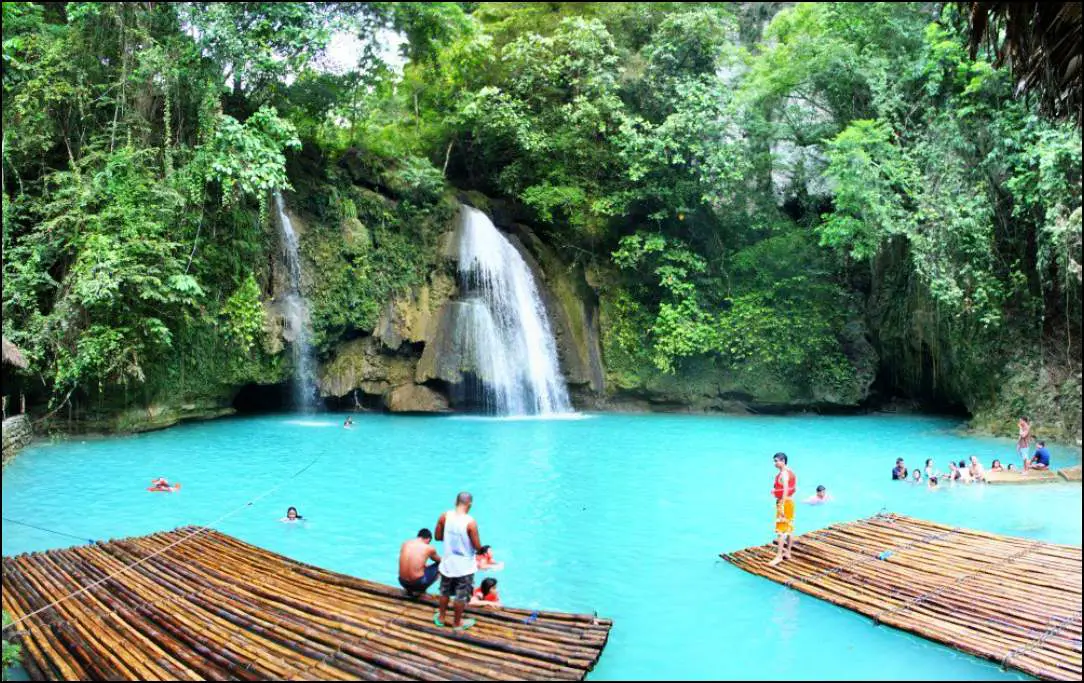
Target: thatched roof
{"x": 13, "y": 355}
{"x": 1041, "y": 44}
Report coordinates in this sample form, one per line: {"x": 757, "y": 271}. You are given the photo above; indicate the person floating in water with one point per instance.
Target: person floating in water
{"x": 1024, "y": 427}
{"x": 965, "y": 474}
{"x": 916, "y": 477}
{"x": 485, "y": 560}
{"x": 486, "y": 594}
{"x": 783, "y": 490}
{"x": 459, "y": 532}
{"x": 1041, "y": 459}
{"x": 349, "y": 422}
{"x": 415, "y": 576}
{"x": 291, "y": 515}
{"x": 821, "y": 496}
{"x": 899, "y": 471}
{"x": 162, "y": 484}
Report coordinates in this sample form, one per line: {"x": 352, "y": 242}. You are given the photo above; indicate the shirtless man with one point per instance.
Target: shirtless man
{"x": 414, "y": 575}
{"x": 459, "y": 532}
{"x": 783, "y": 490}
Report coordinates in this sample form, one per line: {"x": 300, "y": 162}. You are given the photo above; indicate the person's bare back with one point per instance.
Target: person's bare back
{"x": 412, "y": 558}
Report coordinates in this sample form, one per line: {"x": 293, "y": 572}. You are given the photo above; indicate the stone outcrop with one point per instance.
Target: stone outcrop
{"x": 17, "y": 434}
{"x": 412, "y": 398}
{"x": 363, "y": 365}
{"x": 414, "y": 317}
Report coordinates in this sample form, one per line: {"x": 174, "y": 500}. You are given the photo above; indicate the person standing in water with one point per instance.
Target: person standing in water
{"x": 459, "y": 532}
{"x": 818, "y": 498}
{"x": 783, "y": 490}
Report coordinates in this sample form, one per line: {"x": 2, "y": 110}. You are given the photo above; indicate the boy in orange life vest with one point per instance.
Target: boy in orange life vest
{"x": 783, "y": 490}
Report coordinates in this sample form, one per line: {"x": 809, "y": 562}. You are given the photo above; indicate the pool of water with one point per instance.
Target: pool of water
{"x": 623, "y": 514}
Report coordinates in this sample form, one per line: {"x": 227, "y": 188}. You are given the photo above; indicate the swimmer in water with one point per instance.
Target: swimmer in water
{"x": 349, "y": 422}
{"x": 486, "y": 594}
{"x": 821, "y": 496}
{"x": 916, "y": 477}
{"x": 291, "y": 515}
{"x": 484, "y": 560}
{"x": 995, "y": 466}
{"x": 162, "y": 484}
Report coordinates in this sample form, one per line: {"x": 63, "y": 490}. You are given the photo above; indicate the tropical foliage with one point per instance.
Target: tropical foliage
{"x": 768, "y": 190}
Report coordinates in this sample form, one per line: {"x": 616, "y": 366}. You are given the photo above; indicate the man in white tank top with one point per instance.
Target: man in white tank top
{"x": 459, "y": 532}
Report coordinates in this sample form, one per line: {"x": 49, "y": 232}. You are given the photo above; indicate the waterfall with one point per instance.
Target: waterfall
{"x": 297, "y": 315}
{"x": 504, "y": 331}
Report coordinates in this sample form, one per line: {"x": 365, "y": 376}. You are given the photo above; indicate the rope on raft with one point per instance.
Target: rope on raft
{"x": 791, "y": 583}
{"x": 81, "y": 539}
{"x": 1041, "y": 640}
{"x": 919, "y": 599}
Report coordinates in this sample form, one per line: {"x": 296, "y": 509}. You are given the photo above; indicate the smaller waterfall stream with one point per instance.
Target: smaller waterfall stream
{"x": 504, "y": 329}
{"x": 297, "y": 315}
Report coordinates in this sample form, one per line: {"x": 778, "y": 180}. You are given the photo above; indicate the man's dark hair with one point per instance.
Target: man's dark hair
{"x": 425, "y": 534}
{"x": 780, "y": 456}
{"x": 464, "y": 498}
{"x": 820, "y": 488}
{"x": 899, "y": 460}
{"x": 962, "y": 464}
{"x": 1041, "y": 444}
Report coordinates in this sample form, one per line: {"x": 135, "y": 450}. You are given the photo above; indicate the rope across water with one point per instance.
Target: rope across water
{"x": 140, "y": 561}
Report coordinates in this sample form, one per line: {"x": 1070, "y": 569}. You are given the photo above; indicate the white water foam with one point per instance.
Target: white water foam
{"x": 297, "y": 315}
{"x": 506, "y": 333}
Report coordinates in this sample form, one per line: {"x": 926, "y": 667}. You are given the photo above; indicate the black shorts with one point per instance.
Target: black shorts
{"x": 461, "y": 587}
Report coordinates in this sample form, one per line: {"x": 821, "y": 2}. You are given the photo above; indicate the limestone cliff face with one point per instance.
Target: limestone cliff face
{"x": 413, "y": 343}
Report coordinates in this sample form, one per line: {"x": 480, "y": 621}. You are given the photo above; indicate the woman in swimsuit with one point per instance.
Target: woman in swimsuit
{"x": 291, "y": 515}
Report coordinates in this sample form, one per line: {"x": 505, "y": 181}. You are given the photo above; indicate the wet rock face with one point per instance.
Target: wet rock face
{"x": 414, "y": 318}
{"x": 362, "y": 364}
{"x": 413, "y": 398}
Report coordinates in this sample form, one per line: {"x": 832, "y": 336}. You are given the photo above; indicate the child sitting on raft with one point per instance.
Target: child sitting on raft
{"x": 484, "y": 560}
{"x": 486, "y": 594}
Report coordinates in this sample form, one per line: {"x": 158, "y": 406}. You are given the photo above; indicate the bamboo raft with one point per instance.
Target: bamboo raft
{"x": 1033, "y": 476}
{"x": 217, "y": 608}
{"x": 1010, "y": 600}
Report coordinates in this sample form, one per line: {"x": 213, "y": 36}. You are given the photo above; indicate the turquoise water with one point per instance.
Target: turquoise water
{"x": 623, "y": 514}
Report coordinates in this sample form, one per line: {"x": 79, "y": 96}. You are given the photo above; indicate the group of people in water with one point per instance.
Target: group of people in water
{"x": 420, "y": 565}
{"x": 972, "y": 471}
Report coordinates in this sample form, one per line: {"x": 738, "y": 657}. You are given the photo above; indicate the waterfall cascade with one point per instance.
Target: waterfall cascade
{"x": 297, "y": 315}
{"x": 504, "y": 330}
